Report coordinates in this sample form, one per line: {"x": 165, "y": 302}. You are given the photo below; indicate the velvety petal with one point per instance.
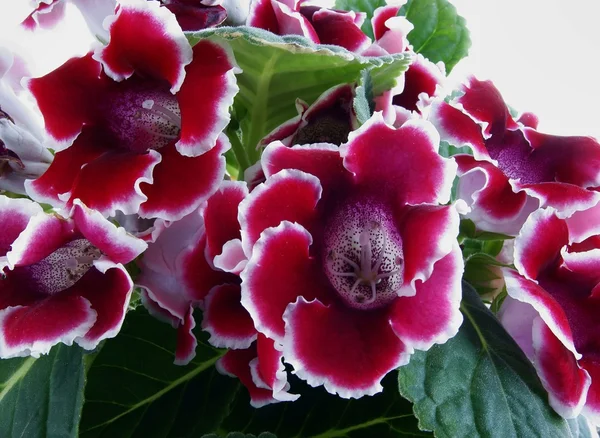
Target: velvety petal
{"x": 14, "y": 217}
{"x": 286, "y": 131}
{"x": 268, "y": 371}
{"x": 428, "y": 234}
{"x": 121, "y": 191}
{"x": 566, "y": 382}
{"x": 186, "y": 340}
{"x": 196, "y": 17}
{"x": 347, "y": 351}
{"x": 585, "y": 264}
{"x": 70, "y": 97}
{"x": 35, "y": 329}
{"x": 422, "y": 76}
{"x": 403, "y": 162}
{"x": 114, "y": 242}
{"x": 65, "y": 168}
{"x": 566, "y": 199}
{"x": 584, "y": 224}
{"x": 236, "y": 363}
{"x": 432, "y": 316}
{"x": 533, "y": 254}
{"x": 591, "y": 408}
{"x": 494, "y": 205}
{"x": 528, "y": 120}
{"x": 180, "y": 184}
{"x": 548, "y": 308}
{"x": 224, "y": 317}
{"x": 206, "y": 96}
{"x": 108, "y": 288}
{"x": 263, "y": 16}
{"x": 220, "y": 216}
{"x": 145, "y": 38}
{"x": 380, "y": 16}
{"x": 458, "y": 129}
{"x": 483, "y": 103}
{"x": 321, "y": 160}
{"x": 279, "y": 271}
{"x": 338, "y": 28}
{"x": 291, "y": 22}
{"x": 289, "y": 195}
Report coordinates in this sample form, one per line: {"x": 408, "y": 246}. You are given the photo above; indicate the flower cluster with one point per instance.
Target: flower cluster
{"x": 335, "y": 255}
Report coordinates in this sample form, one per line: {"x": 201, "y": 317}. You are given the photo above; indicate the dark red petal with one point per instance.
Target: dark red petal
{"x": 228, "y": 323}
{"x": 338, "y": 28}
{"x": 186, "y": 340}
{"x": 197, "y": 17}
{"x": 14, "y": 217}
{"x": 458, "y": 129}
{"x": 422, "y": 76}
{"x": 180, "y": 184}
{"x": 263, "y": 16}
{"x": 380, "y": 16}
{"x": 321, "y": 160}
{"x": 36, "y": 328}
{"x": 348, "y": 351}
{"x": 529, "y": 120}
{"x": 236, "y": 363}
{"x": 291, "y": 22}
{"x": 289, "y": 195}
{"x": 66, "y": 166}
{"x": 120, "y": 174}
{"x": 428, "y": 234}
{"x": 591, "y": 408}
{"x": 220, "y": 216}
{"x": 566, "y": 382}
{"x": 108, "y": 288}
{"x": 268, "y": 369}
{"x": 532, "y": 253}
{"x": 114, "y": 242}
{"x": 206, "y": 96}
{"x": 70, "y": 96}
{"x": 280, "y": 271}
{"x": 403, "y": 163}
{"x": 484, "y": 103}
{"x": 146, "y": 38}
{"x": 432, "y": 316}
{"x": 566, "y": 199}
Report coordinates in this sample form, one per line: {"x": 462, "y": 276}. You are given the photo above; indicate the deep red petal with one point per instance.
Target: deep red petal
{"x": 263, "y": 16}
{"x": 186, "y": 340}
{"x": 14, "y": 217}
{"x": 180, "y": 184}
{"x": 338, "y": 28}
{"x": 380, "y": 16}
{"x": 592, "y": 403}
{"x": 347, "y": 351}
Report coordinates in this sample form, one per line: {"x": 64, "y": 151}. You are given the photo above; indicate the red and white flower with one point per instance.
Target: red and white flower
{"x": 63, "y": 279}
{"x": 22, "y": 152}
{"x": 194, "y": 15}
{"x": 353, "y": 263}
{"x": 514, "y": 167}
{"x": 177, "y": 276}
{"x": 142, "y": 117}
{"x": 552, "y": 308}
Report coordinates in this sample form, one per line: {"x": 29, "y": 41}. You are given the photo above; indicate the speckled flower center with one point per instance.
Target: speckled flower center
{"x": 64, "y": 267}
{"x": 363, "y": 256}
{"x": 143, "y": 117}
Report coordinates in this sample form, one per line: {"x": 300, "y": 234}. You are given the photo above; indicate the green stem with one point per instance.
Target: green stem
{"x": 239, "y": 151}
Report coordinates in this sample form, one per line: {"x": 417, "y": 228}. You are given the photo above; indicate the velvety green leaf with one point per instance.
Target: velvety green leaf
{"x": 581, "y": 428}
{"x": 278, "y": 70}
{"x": 479, "y": 383}
{"x": 42, "y": 397}
{"x": 135, "y": 390}
{"x": 318, "y": 414}
{"x": 364, "y": 104}
{"x": 440, "y": 34}
{"x": 367, "y": 6}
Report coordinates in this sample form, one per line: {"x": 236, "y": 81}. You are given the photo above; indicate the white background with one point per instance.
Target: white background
{"x": 543, "y": 55}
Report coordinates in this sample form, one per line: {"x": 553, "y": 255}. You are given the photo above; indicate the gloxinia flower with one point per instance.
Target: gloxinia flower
{"x": 177, "y": 275}
{"x": 48, "y": 13}
{"x": 553, "y": 304}
{"x": 22, "y": 154}
{"x": 320, "y": 25}
{"x": 63, "y": 279}
{"x": 353, "y": 264}
{"x": 514, "y": 167}
{"x": 155, "y": 153}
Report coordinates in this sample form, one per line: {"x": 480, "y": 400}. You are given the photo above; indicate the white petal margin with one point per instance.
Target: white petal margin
{"x": 302, "y": 372}
{"x": 23, "y": 209}
{"x": 170, "y": 29}
{"x": 282, "y": 386}
{"x": 232, "y": 258}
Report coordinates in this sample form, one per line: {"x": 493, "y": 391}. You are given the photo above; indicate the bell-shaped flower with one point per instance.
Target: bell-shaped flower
{"x": 514, "y": 167}
{"x": 552, "y": 307}
{"x": 353, "y": 263}
{"x": 63, "y": 279}
{"x": 141, "y": 116}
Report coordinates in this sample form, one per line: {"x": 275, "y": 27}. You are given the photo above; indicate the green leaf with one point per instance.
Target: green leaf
{"x": 363, "y": 103}
{"x": 241, "y": 435}
{"x": 278, "y": 70}
{"x": 440, "y": 34}
{"x": 367, "y": 6}
{"x": 318, "y": 414}
{"x": 479, "y": 383}
{"x": 42, "y": 397}
{"x": 580, "y": 428}
{"x": 135, "y": 390}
